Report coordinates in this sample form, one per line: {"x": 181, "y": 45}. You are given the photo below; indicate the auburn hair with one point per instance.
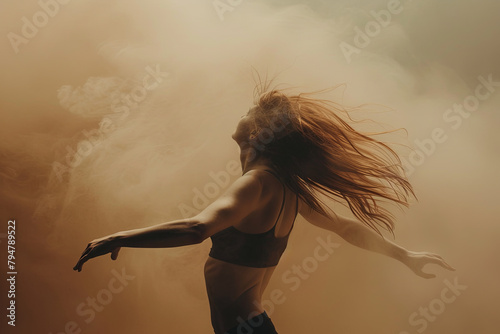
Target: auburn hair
{"x": 315, "y": 150}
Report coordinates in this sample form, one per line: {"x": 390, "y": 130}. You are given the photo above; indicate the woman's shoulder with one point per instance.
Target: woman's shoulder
{"x": 269, "y": 183}
{"x": 266, "y": 176}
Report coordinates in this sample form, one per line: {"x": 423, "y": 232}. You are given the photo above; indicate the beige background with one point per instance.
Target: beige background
{"x": 151, "y": 160}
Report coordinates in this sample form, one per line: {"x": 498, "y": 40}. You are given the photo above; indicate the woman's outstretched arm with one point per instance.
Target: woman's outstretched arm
{"x": 242, "y": 198}
{"x": 360, "y": 235}
{"x": 176, "y": 233}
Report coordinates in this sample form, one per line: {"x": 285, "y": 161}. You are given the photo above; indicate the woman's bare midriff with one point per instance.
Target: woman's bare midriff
{"x": 234, "y": 292}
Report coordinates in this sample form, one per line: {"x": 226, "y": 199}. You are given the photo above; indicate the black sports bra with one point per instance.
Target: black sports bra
{"x": 258, "y": 250}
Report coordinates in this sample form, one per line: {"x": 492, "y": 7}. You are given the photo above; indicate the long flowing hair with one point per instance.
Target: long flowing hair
{"x": 316, "y": 151}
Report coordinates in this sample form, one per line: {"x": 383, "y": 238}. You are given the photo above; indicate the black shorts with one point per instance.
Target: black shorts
{"x": 260, "y": 324}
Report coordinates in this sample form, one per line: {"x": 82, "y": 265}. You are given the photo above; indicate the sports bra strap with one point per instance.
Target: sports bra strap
{"x": 297, "y": 197}
{"x": 284, "y": 196}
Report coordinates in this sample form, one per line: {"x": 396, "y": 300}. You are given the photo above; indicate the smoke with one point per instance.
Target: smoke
{"x": 118, "y": 115}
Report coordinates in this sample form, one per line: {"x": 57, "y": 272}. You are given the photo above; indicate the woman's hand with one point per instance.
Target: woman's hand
{"x": 417, "y": 260}
{"x": 98, "y": 247}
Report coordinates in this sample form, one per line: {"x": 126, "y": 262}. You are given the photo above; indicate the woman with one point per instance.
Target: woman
{"x": 293, "y": 148}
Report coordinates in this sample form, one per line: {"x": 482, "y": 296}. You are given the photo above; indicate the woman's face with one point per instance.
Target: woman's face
{"x": 245, "y": 126}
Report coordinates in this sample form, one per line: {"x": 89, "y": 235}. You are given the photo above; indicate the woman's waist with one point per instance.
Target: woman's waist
{"x": 234, "y": 283}
{"x": 221, "y": 270}
{"x": 228, "y": 310}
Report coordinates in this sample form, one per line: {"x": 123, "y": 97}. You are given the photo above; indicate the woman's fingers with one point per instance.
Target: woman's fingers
{"x": 435, "y": 255}
{"x": 80, "y": 263}
{"x": 114, "y": 253}
{"x": 426, "y": 275}
{"x": 94, "y": 249}
{"x": 440, "y": 261}
{"x": 86, "y": 251}
{"x": 418, "y": 270}
{"x": 423, "y": 258}
{"x": 87, "y": 255}
{"x": 446, "y": 265}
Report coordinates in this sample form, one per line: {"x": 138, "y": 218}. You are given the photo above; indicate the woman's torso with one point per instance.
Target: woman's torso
{"x": 235, "y": 290}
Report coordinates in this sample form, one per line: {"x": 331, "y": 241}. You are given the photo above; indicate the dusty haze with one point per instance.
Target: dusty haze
{"x": 79, "y": 162}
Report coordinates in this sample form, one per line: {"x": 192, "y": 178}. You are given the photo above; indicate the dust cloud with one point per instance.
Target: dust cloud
{"x": 118, "y": 115}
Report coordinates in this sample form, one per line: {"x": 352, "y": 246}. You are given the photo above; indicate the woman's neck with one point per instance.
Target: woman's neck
{"x": 249, "y": 162}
